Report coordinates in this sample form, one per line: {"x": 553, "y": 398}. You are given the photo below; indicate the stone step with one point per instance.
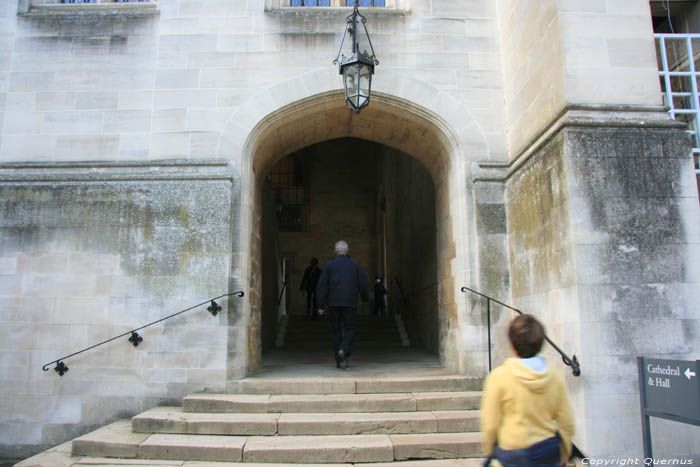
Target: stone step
{"x": 103, "y": 462}
{"x": 61, "y": 456}
{"x": 388, "y": 402}
{"x": 173, "y": 420}
{"x": 296, "y": 386}
{"x": 275, "y": 449}
{"x": 319, "y": 449}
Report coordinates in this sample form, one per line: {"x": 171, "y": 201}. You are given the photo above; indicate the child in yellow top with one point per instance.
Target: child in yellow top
{"x": 526, "y": 418}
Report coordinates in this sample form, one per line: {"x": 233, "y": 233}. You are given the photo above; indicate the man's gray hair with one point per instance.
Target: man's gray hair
{"x": 341, "y": 246}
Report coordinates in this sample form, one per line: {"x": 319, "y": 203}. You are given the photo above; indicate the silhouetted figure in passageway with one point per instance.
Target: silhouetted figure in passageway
{"x": 379, "y": 293}
{"x": 340, "y": 282}
{"x": 308, "y": 285}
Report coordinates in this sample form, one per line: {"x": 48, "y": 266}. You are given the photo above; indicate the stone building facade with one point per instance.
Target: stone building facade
{"x": 518, "y": 147}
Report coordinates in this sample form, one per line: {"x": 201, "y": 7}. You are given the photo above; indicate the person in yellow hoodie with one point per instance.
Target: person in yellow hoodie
{"x": 526, "y": 417}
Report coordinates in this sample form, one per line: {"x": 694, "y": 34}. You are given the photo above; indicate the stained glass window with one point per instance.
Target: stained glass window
{"x": 365, "y": 2}
{"x": 311, "y": 3}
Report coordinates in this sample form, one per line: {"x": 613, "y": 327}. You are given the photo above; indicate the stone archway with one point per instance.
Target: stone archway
{"x": 440, "y": 134}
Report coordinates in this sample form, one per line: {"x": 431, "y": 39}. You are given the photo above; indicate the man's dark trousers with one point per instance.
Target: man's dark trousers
{"x": 343, "y": 328}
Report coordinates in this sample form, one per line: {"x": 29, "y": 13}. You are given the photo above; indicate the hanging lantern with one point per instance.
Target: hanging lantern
{"x": 357, "y": 67}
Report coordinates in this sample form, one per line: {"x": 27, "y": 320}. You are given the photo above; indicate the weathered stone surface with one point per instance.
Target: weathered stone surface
{"x": 457, "y": 421}
{"x": 226, "y": 403}
{"x": 292, "y": 386}
{"x": 436, "y": 446}
{"x": 174, "y": 420}
{"x": 344, "y": 403}
{"x": 114, "y": 247}
{"x": 193, "y": 447}
{"x": 115, "y": 440}
{"x": 447, "y": 400}
{"x": 430, "y": 463}
{"x": 319, "y": 449}
{"x": 417, "y": 384}
{"x": 357, "y": 423}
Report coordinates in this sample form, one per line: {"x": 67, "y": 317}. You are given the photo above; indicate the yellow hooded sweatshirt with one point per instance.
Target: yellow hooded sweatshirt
{"x": 521, "y": 407}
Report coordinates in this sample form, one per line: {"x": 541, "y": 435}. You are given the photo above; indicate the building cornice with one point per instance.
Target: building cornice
{"x": 165, "y": 170}
{"x": 581, "y": 116}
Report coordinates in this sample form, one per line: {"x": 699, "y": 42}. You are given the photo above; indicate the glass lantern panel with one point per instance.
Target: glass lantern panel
{"x": 351, "y": 81}
{"x": 365, "y": 79}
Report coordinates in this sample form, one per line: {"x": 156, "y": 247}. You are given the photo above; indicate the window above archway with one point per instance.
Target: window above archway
{"x": 338, "y": 3}
{"x": 380, "y": 5}
{"x": 286, "y": 178}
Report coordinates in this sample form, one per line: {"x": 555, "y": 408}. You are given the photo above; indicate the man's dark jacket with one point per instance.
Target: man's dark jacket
{"x": 340, "y": 282}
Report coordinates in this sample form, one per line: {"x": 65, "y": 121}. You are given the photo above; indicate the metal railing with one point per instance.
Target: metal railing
{"x": 284, "y": 286}
{"x": 403, "y": 294}
{"x": 678, "y": 59}
{"x": 135, "y": 339}
{"x": 572, "y": 362}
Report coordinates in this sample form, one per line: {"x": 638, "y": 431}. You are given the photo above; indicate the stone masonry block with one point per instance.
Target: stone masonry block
{"x": 436, "y": 446}
{"x": 115, "y": 440}
{"x": 314, "y": 449}
{"x": 177, "y": 79}
{"x": 87, "y": 147}
{"x": 95, "y": 100}
{"x": 126, "y": 121}
{"x": 193, "y": 447}
{"x": 55, "y": 100}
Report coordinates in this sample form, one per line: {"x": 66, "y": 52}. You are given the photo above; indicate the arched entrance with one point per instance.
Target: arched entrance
{"x": 392, "y": 122}
{"x": 382, "y": 202}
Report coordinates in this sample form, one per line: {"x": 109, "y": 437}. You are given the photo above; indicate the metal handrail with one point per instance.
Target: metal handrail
{"x": 572, "y": 362}
{"x": 403, "y": 295}
{"x": 214, "y": 308}
{"x": 284, "y": 286}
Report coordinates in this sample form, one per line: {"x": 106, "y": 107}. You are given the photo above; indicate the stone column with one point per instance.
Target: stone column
{"x": 604, "y": 242}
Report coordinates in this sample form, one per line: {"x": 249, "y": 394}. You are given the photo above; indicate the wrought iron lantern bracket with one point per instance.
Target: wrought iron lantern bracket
{"x": 357, "y": 67}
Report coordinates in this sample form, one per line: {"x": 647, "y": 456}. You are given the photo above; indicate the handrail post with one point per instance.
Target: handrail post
{"x": 488, "y": 323}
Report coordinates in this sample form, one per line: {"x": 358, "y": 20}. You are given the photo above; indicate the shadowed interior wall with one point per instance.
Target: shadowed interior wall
{"x": 340, "y": 181}
{"x": 271, "y": 286}
{"x": 409, "y": 198}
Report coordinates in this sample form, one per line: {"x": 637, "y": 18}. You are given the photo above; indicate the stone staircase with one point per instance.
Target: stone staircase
{"x": 394, "y": 405}
{"x": 337, "y": 420}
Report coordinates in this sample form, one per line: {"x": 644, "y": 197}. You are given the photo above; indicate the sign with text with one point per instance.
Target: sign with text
{"x": 671, "y": 387}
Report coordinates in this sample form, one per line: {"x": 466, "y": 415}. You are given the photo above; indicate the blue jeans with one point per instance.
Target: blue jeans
{"x": 546, "y": 453}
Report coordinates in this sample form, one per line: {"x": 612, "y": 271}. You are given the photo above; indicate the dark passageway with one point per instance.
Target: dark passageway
{"x": 382, "y": 202}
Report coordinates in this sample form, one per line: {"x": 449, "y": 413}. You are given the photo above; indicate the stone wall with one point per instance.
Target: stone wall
{"x": 533, "y": 66}
{"x": 88, "y": 252}
{"x": 604, "y": 249}
{"x": 494, "y": 266}
{"x": 557, "y": 54}
{"x": 637, "y": 251}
